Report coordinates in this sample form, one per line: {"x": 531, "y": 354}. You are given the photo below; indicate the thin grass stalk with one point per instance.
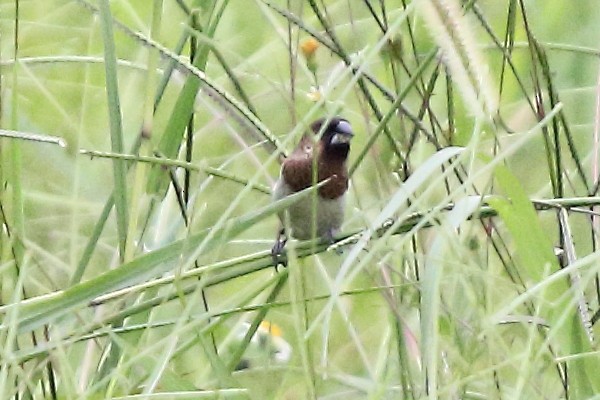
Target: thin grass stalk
{"x": 98, "y": 329}
{"x": 413, "y": 41}
{"x": 361, "y": 81}
{"x": 575, "y": 277}
{"x": 92, "y": 242}
{"x": 15, "y": 228}
{"x": 388, "y": 95}
{"x": 186, "y": 67}
{"x": 452, "y": 32}
{"x": 385, "y": 118}
{"x": 189, "y": 129}
{"x": 196, "y": 31}
{"x": 116, "y": 132}
{"x": 327, "y": 43}
{"x": 260, "y": 316}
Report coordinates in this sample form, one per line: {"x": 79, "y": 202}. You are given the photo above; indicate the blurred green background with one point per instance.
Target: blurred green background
{"x": 366, "y": 343}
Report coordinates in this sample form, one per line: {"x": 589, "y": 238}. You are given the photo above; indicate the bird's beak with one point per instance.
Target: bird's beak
{"x": 343, "y": 133}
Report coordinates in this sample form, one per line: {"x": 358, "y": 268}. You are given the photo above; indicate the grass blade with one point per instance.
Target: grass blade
{"x": 116, "y": 130}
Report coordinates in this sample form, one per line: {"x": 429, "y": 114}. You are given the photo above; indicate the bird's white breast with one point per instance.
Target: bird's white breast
{"x": 329, "y": 218}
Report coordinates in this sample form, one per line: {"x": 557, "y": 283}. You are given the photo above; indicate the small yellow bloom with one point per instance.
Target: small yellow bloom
{"x": 270, "y": 328}
{"x": 309, "y": 47}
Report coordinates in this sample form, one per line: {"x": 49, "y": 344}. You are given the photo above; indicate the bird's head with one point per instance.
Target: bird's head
{"x": 336, "y": 134}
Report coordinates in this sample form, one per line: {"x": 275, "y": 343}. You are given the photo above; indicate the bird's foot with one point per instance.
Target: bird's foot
{"x": 330, "y": 238}
{"x": 278, "y": 254}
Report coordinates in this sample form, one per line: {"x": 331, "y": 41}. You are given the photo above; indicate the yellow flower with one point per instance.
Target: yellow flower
{"x": 309, "y": 47}
{"x": 269, "y": 328}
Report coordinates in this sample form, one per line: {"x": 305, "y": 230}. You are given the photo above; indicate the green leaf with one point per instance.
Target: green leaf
{"x": 116, "y": 131}
{"x": 536, "y": 257}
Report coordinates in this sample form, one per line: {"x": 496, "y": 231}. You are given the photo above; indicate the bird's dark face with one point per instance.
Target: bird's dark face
{"x": 335, "y": 136}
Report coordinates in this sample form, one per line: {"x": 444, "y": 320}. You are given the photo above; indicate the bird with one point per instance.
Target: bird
{"x": 326, "y": 146}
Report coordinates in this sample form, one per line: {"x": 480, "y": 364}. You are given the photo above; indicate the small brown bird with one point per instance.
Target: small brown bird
{"x": 331, "y": 150}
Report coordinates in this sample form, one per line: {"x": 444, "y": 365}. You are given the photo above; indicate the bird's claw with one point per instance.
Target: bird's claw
{"x": 278, "y": 254}
{"x": 329, "y": 236}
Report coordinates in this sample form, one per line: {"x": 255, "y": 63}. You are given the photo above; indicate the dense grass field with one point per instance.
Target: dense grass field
{"x": 140, "y": 139}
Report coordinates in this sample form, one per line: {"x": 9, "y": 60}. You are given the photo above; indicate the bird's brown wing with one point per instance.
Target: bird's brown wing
{"x": 297, "y": 168}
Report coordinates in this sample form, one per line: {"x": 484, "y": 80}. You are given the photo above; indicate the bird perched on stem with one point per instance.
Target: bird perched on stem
{"x": 320, "y": 155}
